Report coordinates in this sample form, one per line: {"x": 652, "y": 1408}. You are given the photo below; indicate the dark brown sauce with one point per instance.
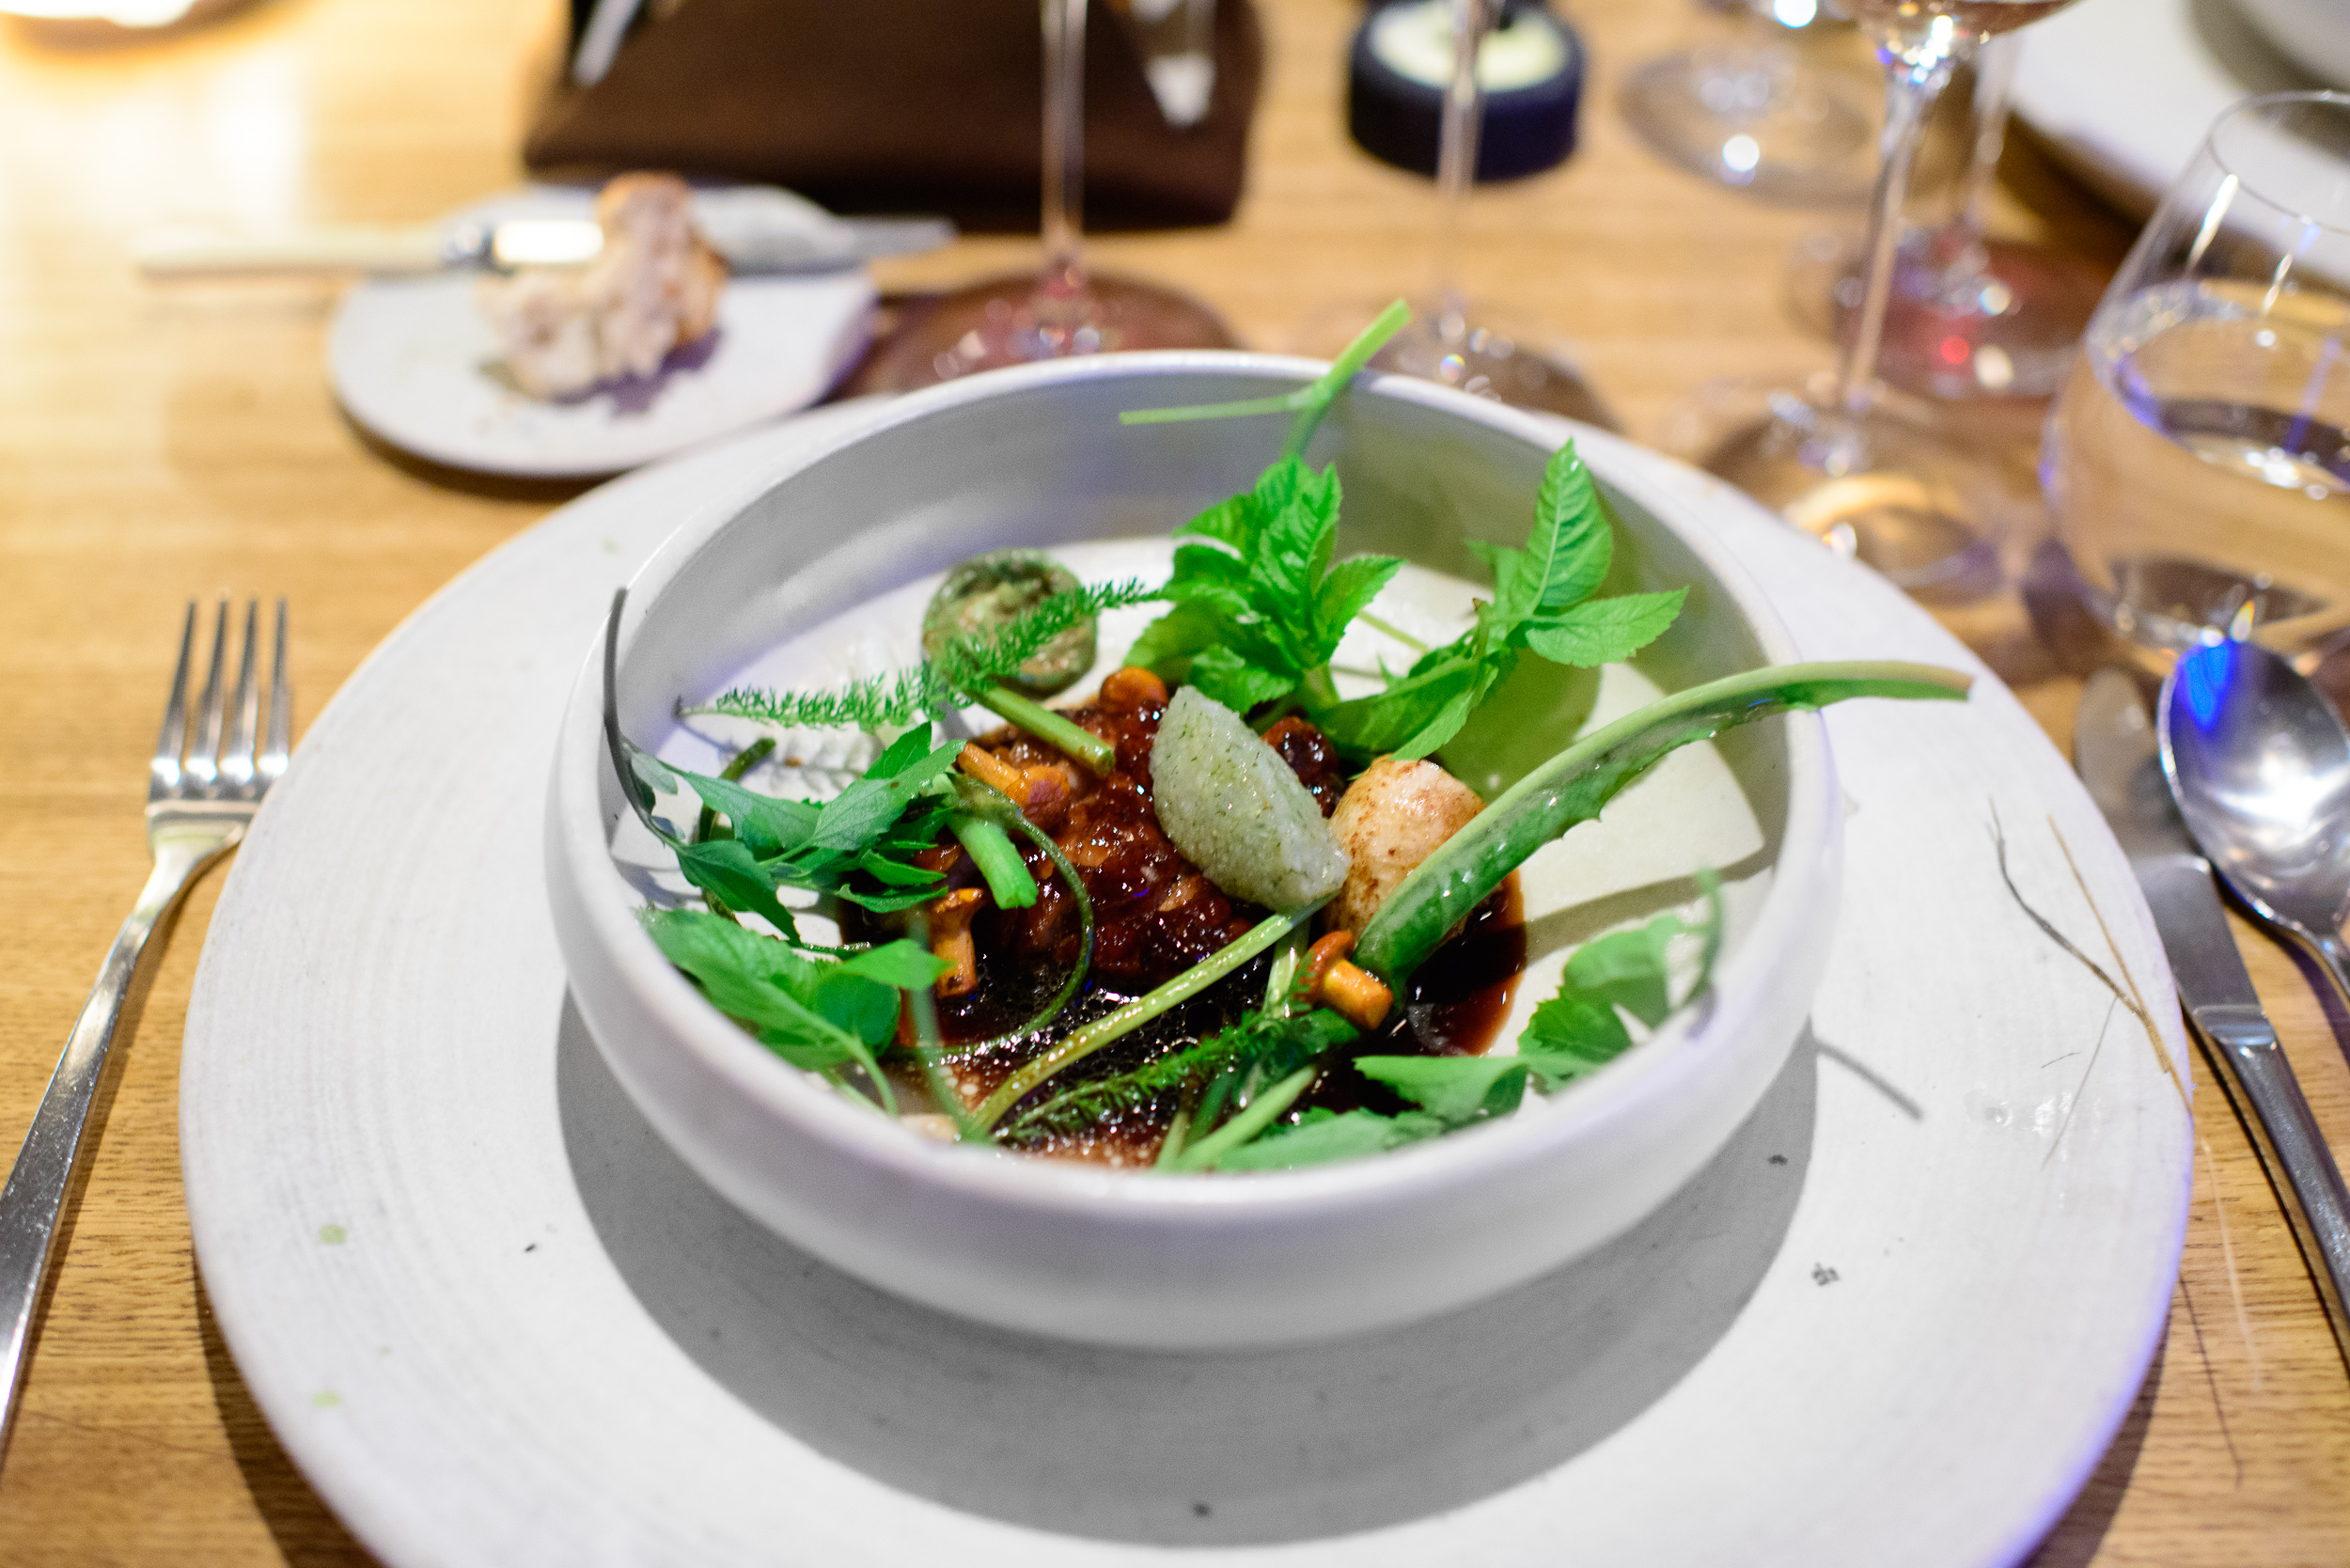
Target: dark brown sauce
{"x": 1156, "y": 915}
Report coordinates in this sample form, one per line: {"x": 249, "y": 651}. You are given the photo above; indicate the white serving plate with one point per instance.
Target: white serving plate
{"x": 414, "y": 363}
{"x": 533, "y": 1338}
{"x": 2124, "y": 91}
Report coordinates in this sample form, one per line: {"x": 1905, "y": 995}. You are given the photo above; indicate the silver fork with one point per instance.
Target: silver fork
{"x": 197, "y": 812}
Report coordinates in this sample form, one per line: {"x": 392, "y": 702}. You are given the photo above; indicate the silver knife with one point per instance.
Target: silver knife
{"x": 2115, "y": 748}
{"x": 832, "y": 245}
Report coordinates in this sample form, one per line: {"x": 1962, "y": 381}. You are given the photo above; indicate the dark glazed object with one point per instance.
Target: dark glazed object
{"x": 1527, "y": 129}
{"x": 899, "y": 107}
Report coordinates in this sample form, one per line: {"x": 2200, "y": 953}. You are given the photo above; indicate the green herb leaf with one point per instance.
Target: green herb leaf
{"x": 1319, "y": 1137}
{"x": 1259, "y": 606}
{"x": 1459, "y": 1090}
{"x": 1605, "y": 631}
{"x": 728, "y": 870}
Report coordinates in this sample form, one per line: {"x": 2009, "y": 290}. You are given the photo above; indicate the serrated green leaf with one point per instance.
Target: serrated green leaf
{"x": 1460, "y": 1090}
{"x": 1240, "y": 685}
{"x": 1605, "y": 631}
{"x": 904, "y": 964}
{"x": 1569, "y": 549}
{"x": 768, "y": 825}
{"x": 1350, "y": 587}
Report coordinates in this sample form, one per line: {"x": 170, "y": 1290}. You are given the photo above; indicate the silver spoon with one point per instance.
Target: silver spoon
{"x": 2260, "y": 764}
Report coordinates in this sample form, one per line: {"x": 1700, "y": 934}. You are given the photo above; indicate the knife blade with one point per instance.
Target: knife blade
{"x": 833, "y": 244}
{"x": 2115, "y": 748}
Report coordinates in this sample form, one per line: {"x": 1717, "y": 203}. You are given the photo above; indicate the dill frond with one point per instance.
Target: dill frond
{"x": 1087, "y": 1104}
{"x": 961, "y": 669}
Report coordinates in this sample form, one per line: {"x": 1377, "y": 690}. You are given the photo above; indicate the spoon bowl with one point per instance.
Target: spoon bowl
{"x": 2259, "y": 762}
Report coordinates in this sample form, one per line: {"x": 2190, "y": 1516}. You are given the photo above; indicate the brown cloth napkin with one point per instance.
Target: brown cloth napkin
{"x": 904, "y": 105}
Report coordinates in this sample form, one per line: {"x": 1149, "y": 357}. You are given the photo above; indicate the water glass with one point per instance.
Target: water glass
{"x": 2195, "y": 464}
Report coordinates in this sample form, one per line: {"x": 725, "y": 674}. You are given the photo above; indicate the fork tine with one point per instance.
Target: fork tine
{"x": 244, "y": 711}
{"x": 272, "y": 760}
{"x": 204, "y": 754}
{"x": 163, "y": 773}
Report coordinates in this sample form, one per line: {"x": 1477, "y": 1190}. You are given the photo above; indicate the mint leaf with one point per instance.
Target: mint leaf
{"x": 1346, "y": 592}
{"x": 1605, "y": 631}
{"x": 1571, "y": 547}
{"x": 904, "y": 964}
{"x": 1628, "y": 970}
{"x": 1231, "y": 680}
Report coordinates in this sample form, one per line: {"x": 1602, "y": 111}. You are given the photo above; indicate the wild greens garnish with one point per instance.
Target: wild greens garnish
{"x": 1571, "y": 1035}
{"x": 818, "y": 1014}
{"x": 1260, "y": 604}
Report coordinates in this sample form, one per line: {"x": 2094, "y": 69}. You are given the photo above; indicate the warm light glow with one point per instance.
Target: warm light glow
{"x": 1795, "y": 13}
{"x": 122, "y": 13}
{"x": 1740, "y": 154}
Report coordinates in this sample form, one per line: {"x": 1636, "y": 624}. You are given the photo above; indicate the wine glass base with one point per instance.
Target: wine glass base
{"x": 1885, "y": 487}
{"x": 1016, "y": 320}
{"x": 2007, "y": 331}
{"x": 1489, "y": 351}
{"x": 1757, "y": 120}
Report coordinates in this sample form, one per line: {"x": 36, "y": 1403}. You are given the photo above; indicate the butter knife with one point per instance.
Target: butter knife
{"x": 2115, "y": 748}
{"x": 835, "y": 245}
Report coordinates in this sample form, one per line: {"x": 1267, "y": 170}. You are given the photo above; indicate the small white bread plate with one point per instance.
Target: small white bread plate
{"x": 499, "y": 1324}
{"x": 415, "y": 363}
{"x": 2124, "y": 91}
{"x": 841, "y": 553}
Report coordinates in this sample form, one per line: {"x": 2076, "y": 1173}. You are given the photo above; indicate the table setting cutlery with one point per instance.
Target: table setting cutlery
{"x": 203, "y": 791}
{"x": 2121, "y": 754}
{"x": 748, "y": 245}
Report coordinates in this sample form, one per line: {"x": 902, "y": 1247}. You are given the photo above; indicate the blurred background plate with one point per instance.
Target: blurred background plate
{"x": 2124, "y": 90}
{"x": 414, "y": 362}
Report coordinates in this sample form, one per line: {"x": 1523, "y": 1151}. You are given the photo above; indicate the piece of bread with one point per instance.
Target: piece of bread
{"x": 653, "y": 287}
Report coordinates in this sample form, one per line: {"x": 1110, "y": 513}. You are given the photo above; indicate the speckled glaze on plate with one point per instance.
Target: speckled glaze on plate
{"x": 1896, "y": 1320}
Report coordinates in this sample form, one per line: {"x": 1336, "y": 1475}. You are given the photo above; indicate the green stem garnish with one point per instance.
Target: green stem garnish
{"x": 1083, "y": 1042}
{"x": 1574, "y": 786}
{"x": 1255, "y": 1117}
{"x": 981, "y": 799}
{"x": 1053, "y": 728}
{"x": 999, "y": 863}
{"x": 1309, "y": 402}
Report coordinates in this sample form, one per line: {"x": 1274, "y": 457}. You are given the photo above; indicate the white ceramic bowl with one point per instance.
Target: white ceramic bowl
{"x": 1036, "y": 457}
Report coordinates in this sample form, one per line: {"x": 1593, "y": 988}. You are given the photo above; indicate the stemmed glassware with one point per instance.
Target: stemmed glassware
{"x": 1063, "y": 309}
{"x": 1479, "y": 348}
{"x": 1841, "y": 457}
{"x": 2196, "y": 464}
{"x": 1969, "y": 316}
{"x": 1750, "y": 112}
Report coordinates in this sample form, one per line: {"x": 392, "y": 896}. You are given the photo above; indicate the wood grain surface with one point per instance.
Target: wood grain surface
{"x": 156, "y": 444}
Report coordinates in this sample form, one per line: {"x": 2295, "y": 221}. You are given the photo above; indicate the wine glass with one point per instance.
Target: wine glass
{"x": 2196, "y": 464}
{"x": 1969, "y": 316}
{"x": 1481, "y": 348}
{"x": 1750, "y": 112}
{"x": 1063, "y": 309}
{"x": 1871, "y": 473}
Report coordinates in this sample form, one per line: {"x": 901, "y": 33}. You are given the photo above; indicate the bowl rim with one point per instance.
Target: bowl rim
{"x": 1691, "y": 1044}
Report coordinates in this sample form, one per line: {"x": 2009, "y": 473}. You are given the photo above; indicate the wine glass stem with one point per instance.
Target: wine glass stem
{"x": 1960, "y": 251}
{"x": 1064, "y": 146}
{"x": 1912, "y": 80}
{"x": 1456, "y": 161}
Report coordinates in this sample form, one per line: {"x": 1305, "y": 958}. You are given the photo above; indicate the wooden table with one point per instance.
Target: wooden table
{"x": 155, "y": 445}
